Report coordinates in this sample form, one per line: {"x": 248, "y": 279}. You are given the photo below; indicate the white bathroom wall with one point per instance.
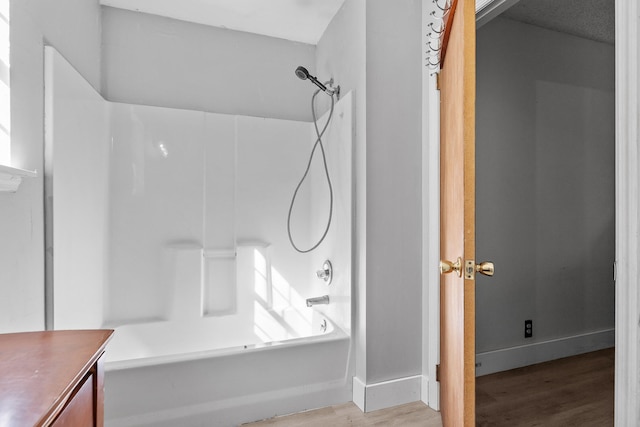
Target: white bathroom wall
{"x": 77, "y": 148}
{"x": 219, "y": 261}
{"x": 272, "y": 155}
{"x": 220, "y": 170}
{"x": 161, "y": 207}
{"x": 191, "y": 196}
{"x": 73, "y": 27}
{"x": 156, "y": 205}
{"x": 337, "y": 246}
{"x": 545, "y": 184}
{"x": 341, "y": 54}
{"x": 159, "y": 61}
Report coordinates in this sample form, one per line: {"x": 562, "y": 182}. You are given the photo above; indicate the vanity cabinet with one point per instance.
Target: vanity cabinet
{"x": 52, "y": 378}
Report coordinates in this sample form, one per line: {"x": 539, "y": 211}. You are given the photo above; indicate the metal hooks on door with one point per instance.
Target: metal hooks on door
{"x": 436, "y": 31}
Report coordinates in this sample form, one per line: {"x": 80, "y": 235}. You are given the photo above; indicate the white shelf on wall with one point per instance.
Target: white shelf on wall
{"x": 10, "y": 178}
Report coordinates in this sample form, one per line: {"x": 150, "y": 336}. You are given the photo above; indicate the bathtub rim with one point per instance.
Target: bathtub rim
{"x": 336, "y": 334}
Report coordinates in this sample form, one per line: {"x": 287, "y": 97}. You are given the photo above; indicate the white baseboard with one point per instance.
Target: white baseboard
{"x": 424, "y": 389}
{"x": 359, "y": 393}
{"x": 371, "y": 397}
{"x": 525, "y": 355}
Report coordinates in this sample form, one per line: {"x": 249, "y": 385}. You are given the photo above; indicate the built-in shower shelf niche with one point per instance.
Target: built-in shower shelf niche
{"x": 218, "y": 282}
{"x": 11, "y": 178}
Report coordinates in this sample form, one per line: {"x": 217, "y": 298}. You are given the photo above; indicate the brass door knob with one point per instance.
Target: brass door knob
{"x": 485, "y": 268}
{"x": 448, "y": 266}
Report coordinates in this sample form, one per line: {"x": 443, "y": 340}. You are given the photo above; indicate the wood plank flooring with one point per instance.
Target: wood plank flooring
{"x": 575, "y": 391}
{"x": 415, "y": 414}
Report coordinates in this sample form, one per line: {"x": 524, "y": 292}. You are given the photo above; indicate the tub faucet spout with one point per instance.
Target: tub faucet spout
{"x": 318, "y": 300}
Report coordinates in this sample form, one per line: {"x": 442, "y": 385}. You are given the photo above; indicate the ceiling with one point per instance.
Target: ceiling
{"x": 306, "y": 20}
{"x": 298, "y": 20}
{"x": 591, "y": 19}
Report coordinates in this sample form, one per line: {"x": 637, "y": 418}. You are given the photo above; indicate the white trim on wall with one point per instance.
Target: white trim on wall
{"x": 627, "y": 376}
{"x": 524, "y": 355}
{"x": 430, "y": 225}
{"x": 386, "y": 394}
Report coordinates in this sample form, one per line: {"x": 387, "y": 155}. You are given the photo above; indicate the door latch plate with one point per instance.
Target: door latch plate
{"x": 469, "y": 269}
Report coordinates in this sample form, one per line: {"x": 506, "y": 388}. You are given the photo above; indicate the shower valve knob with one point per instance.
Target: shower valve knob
{"x": 326, "y": 273}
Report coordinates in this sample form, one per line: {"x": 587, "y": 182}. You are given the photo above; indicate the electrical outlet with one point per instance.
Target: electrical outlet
{"x": 528, "y": 328}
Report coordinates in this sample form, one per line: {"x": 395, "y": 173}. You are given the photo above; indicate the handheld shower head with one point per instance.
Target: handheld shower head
{"x": 303, "y": 74}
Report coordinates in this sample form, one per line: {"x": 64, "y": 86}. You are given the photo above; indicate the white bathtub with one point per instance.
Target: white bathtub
{"x": 169, "y": 380}
{"x": 154, "y": 343}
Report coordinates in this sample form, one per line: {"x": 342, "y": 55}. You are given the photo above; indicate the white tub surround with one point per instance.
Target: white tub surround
{"x": 176, "y": 237}
{"x": 178, "y": 193}
{"x": 11, "y": 178}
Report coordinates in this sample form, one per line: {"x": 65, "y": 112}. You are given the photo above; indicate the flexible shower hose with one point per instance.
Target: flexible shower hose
{"x": 317, "y": 144}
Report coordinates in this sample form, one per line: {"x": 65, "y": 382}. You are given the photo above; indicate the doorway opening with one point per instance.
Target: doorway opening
{"x": 545, "y": 184}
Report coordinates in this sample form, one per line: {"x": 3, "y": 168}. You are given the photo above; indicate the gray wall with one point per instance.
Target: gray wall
{"x": 394, "y": 204}
{"x": 72, "y": 27}
{"x": 159, "y": 61}
{"x": 545, "y": 184}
